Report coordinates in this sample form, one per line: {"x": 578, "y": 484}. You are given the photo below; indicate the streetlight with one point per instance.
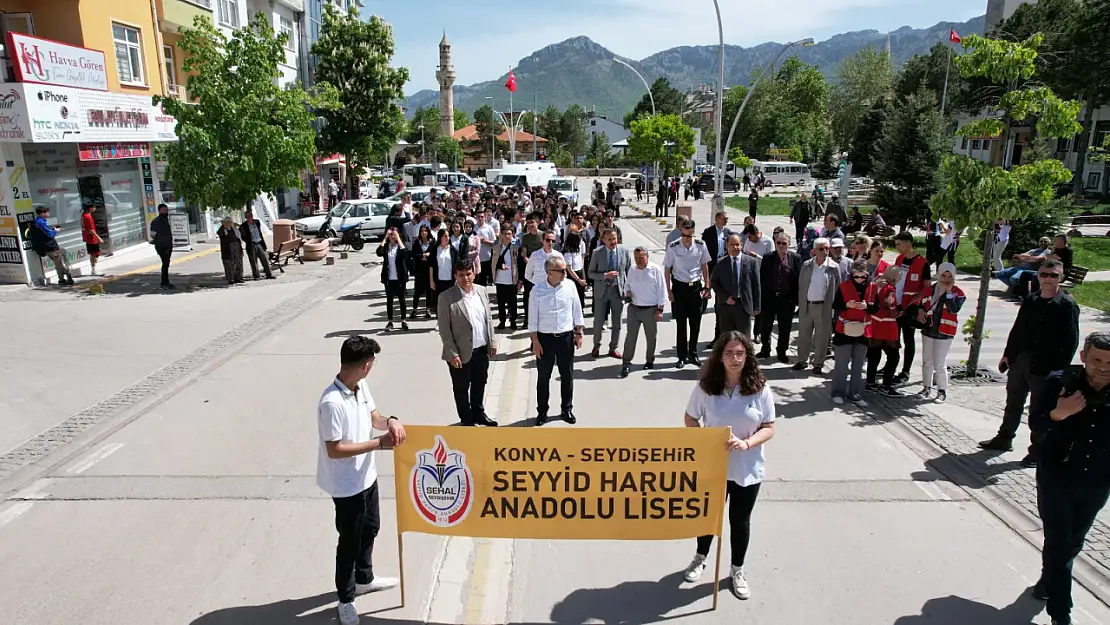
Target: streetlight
{"x": 492, "y": 133}
{"x": 650, "y": 97}
{"x": 422, "y": 142}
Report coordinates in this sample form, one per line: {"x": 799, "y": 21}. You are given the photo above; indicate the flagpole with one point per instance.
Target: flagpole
{"x": 947, "y": 69}
{"x": 535, "y": 110}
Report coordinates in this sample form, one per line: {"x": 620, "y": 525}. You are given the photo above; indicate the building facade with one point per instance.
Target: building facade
{"x": 999, "y": 10}
{"x": 77, "y": 127}
{"x": 614, "y": 131}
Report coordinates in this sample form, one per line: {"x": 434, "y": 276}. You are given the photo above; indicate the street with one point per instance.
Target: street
{"x": 197, "y": 503}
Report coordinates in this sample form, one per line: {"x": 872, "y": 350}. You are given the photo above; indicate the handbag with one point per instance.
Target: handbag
{"x": 854, "y": 329}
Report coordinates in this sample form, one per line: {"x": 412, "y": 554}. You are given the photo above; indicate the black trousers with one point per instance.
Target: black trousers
{"x": 909, "y": 344}
{"x": 257, "y": 254}
{"x": 1020, "y": 383}
{"x": 687, "y": 309}
{"x": 485, "y": 277}
{"x": 581, "y": 291}
{"x": 527, "y": 296}
{"x": 799, "y": 233}
{"x": 1067, "y": 509}
{"x": 780, "y": 309}
{"x": 165, "y": 253}
{"x": 422, "y": 287}
{"x": 874, "y": 354}
{"x": 441, "y": 286}
{"x": 468, "y": 383}
{"x": 733, "y": 317}
{"x": 506, "y": 302}
{"x": 357, "y": 519}
{"x": 394, "y": 289}
{"x": 558, "y": 350}
{"x": 741, "y": 502}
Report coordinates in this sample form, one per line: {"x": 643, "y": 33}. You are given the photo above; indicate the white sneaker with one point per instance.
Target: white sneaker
{"x": 348, "y": 615}
{"x": 839, "y": 401}
{"x": 739, "y": 584}
{"x": 377, "y": 584}
{"x": 696, "y": 568}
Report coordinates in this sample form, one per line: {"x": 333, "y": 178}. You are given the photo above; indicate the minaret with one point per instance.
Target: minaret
{"x": 446, "y": 78}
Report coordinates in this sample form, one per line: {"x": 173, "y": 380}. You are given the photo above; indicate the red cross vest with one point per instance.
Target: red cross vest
{"x": 914, "y": 278}
{"x": 848, "y": 292}
{"x": 949, "y": 322}
{"x": 884, "y": 325}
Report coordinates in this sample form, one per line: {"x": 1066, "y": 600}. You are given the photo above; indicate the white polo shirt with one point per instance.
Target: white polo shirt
{"x": 343, "y": 415}
{"x": 745, "y": 414}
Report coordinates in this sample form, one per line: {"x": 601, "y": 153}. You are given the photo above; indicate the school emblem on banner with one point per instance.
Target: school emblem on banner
{"x": 441, "y": 485}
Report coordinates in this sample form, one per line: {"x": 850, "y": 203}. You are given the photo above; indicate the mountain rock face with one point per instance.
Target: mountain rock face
{"x": 580, "y": 71}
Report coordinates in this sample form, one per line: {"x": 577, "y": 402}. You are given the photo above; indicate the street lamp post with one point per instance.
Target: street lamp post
{"x": 422, "y": 142}
{"x": 718, "y": 175}
{"x": 492, "y": 134}
{"x": 651, "y": 97}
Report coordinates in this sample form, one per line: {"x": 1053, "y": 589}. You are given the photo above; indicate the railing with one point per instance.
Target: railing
{"x": 204, "y": 4}
{"x": 177, "y": 91}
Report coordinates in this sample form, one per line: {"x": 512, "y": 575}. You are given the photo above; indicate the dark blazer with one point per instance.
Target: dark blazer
{"x": 767, "y": 270}
{"x": 401, "y": 262}
{"x": 419, "y": 265}
{"x": 433, "y": 262}
{"x": 160, "y": 232}
{"x": 724, "y": 283}
{"x": 231, "y": 243}
{"x": 709, "y": 235}
{"x": 245, "y": 232}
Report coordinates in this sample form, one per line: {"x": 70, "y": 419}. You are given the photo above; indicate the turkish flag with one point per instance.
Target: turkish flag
{"x": 954, "y": 36}
{"x": 510, "y": 84}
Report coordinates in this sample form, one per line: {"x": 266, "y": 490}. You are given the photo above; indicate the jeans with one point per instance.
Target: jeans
{"x": 1067, "y": 509}
{"x": 468, "y": 384}
{"x": 357, "y": 519}
{"x": 686, "y": 310}
{"x": 780, "y": 309}
{"x": 741, "y": 502}
{"x": 874, "y": 354}
{"x": 1020, "y": 383}
{"x": 558, "y": 349}
{"x": 934, "y": 353}
{"x": 506, "y": 302}
{"x": 1013, "y": 275}
{"x": 637, "y": 316}
{"x": 165, "y": 253}
{"x": 394, "y": 289}
{"x": 607, "y": 303}
{"x": 853, "y": 356}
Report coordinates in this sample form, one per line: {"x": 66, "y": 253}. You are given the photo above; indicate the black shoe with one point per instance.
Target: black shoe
{"x": 467, "y": 424}
{"x": 514, "y": 325}
{"x": 763, "y": 353}
{"x": 890, "y": 391}
{"x": 681, "y": 363}
{"x": 168, "y": 287}
{"x": 542, "y": 418}
{"x": 404, "y": 326}
{"x": 799, "y": 366}
{"x": 1030, "y": 461}
{"x": 902, "y": 378}
{"x": 694, "y": 360}
{"x": 389, "y": 327}
{"x": 271, "y": 277}
{"x": 816, "y": 369}
{"x": 1040, "y": 590}
{"x": 871, "y": 387}
{"x": 625, "y": 370}
{"x": 501, "y": 326}
{"x": 427, "y": 314}
{"x": 486, "y": 421}
{"x": 1061, "y": 621}
{"x": 783, "y": 358}
{"x": 649, "y": 365}
{"x": 996, "y": 444}
{"x": 568, "y": 416}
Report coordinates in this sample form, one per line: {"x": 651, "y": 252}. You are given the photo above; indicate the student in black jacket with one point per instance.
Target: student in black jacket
{"x": 422, "y": 250}
{"x": 395, "y": 274}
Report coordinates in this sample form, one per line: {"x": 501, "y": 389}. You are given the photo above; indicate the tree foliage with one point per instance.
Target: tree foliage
{"x": 906, "y": 159}
{"x": 598, "y": 154}
{"x": 825, "y": 165}
{"x": 489, "y": 126}
{"x": 668, "y": 101}
{"x": 353, "y": 55}
{"x": 861, "y": 80}
{"x": 663, "y": 138}
{"x": 928, "y": 71}
{"x": 446, "y": 150}
{"x": 242, "y": 134}
{"x": 789, "y": 108}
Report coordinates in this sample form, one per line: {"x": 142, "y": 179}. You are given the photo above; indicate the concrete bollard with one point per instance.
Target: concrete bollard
{"x": 344, "y": 255}
{"x": 329, "y": 260}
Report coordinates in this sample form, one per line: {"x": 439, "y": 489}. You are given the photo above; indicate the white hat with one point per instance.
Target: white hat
{"x": 837, "y": 243}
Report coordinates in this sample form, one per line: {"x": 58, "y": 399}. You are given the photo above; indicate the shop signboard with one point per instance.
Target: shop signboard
{"x": 179, "y": 229}
{"x": 37, "y": 60}
{"x": 111, "y": 151}
{"x": 14, "y": 120}
{"x": 15, "y": 215}
{"x": 52, "y": 114}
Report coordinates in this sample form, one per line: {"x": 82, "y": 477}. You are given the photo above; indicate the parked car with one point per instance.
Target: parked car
{"x": 419, "y": 194}
{"x": 370, "y": 213}
{"x": 628, "y": 180}
{"x": 706, "y": 183}
{"x": 457, "y": 180}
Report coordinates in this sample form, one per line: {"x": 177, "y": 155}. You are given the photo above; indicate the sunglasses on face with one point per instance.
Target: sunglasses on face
{"x": 780, "y": 243}
{"x": 859, "y": 277}
{"x": 1049, "y": 274}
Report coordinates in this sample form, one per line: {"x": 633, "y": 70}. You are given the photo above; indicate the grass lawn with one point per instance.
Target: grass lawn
{"x": 1092, "y": 252}
{"x": 1093, "y": 294}
{"x": 767, "y": 205}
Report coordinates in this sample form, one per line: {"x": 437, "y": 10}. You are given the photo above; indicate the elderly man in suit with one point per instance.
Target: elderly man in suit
{"x": 735, "y": 282}
{"x": 466, "y": 329}
{"x": 817, "y": 285}
{"x": 779, "y": 274}
{"x": 251, "y": 232}
{"x": 609, "y": 270}
{"x": 716, "y": 242}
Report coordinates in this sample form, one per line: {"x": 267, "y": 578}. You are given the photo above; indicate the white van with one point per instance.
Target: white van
{"x": 532, "y": 174}
{"x": 784, "y": 173}
{"x": 565, "y": 186}
{"x": 418, "y": 174}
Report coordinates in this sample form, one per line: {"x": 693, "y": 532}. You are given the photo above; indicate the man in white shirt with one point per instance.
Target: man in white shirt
{"x": 646, "y": 296}
{"x": 686, "y": 266}
{"x": 487, "y": 232}
{"x": 819, "y": 280}
{"x": 345, "y": 470}
{"x": 466, "y": 330}
{"x": 756, "y": 244}
{"x": 534, "y": 270}
{"x": 556, "y": 325}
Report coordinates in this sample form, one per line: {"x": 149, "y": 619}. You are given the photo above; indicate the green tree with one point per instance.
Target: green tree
{"x": 599, "y": 150}
{"x": 906, "y": 159}
{"x": 790, "y": 110}
{"x": 927, "y": 71}
{"x": 353, "y": 56}
{"x": 242, "y": 134}
{"x": 668, "y": 101}
{"x": 549, "y": 123}
{"x": 825, "y": 168}
{"x": 461, "y": 120}
{"x": 488, "y": 124}
{"x": 663, "y": 138}
{"x": 739, "y": 159}
{"x": 429, "y": 119}
{"x": 446, "y": 150}
{"x": 572, "y": 131}
{"x": 861, "y": 81}
{"x": 867, "y": 136}
{"x": 976, "y": 195}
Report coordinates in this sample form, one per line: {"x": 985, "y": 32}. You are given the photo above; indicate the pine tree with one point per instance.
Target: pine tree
{"x": 906, "y": 159}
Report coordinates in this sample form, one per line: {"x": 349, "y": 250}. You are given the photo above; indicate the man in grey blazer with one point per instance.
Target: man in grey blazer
{"x": 817, "y": 285}
{"x": 466, "y": 329}
{"x": 735, "y": 283}
{"x": 609, "y": 270}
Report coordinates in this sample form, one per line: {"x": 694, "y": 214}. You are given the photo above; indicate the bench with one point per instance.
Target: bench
{"x": 885, "y": 231}
{"x": 290, "y": 249}
{"x": 1073, "y": 276}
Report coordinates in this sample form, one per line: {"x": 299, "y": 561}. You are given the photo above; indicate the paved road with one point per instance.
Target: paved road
{"x": 199, "y": 506}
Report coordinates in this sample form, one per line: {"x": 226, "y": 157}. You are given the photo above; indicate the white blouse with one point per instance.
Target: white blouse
{"x": 745, "y": 414}
{"x": 443, "y": 257}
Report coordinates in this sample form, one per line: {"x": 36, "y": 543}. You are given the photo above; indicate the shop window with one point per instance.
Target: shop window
{"x": 1094, "y": 179}
{"x": 227, "y": 12}
{"x": 963, "y": 143}
{"x": 129, "y": 54}
{"x": 287, "y": 30}
{"x": 976, "y": 144}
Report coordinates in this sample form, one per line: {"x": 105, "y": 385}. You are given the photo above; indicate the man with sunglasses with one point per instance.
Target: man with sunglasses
{"x": 1043, "y": 339}
{"x": 686, "y": 268}
{"x": 779, "y": 273}
{"x": 533, "y": 270}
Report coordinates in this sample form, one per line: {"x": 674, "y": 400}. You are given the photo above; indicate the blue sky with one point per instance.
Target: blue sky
{"x": 489, "y": 36}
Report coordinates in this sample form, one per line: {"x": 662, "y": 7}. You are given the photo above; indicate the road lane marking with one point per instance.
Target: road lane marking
{"x": 9, "y": 515}
{"x": 95, "y": 457}
{"x": 148, "y": 269}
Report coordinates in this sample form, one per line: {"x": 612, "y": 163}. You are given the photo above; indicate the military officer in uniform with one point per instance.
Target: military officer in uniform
{"x": 686, "y": 270}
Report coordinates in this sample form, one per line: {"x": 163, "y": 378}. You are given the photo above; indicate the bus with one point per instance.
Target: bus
{"x": 785, "y": 173}
{"x": 422, "y": 174}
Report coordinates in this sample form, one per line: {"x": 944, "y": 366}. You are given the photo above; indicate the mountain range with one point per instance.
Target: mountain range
{"x": 581, "y": 71}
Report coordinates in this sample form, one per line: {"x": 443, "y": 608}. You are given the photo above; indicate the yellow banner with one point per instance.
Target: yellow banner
{"x": 562, "y": 483}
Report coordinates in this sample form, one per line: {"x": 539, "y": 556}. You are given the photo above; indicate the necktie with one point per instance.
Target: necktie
{"x": 736, "y": 265}
{"x": 612, "y": 265}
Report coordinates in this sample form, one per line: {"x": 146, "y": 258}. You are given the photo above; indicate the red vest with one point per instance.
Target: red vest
{"x": 848, "y": 292}
{"x": 949, "y": 322}
{"x": 914, "y": 277}
{"x": 884, "y": 325}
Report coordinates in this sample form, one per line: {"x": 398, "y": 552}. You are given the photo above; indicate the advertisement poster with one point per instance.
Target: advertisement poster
{"x": 615, "y": 484}
{"x": 179, "y": 228}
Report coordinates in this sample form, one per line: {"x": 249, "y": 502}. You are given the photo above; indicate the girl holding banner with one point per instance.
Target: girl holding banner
{"x": 733, "y": 393}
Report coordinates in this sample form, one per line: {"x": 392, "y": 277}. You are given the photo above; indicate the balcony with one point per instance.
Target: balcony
{"x": 296, "y": 5}
{"x": 178, "y": 13}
